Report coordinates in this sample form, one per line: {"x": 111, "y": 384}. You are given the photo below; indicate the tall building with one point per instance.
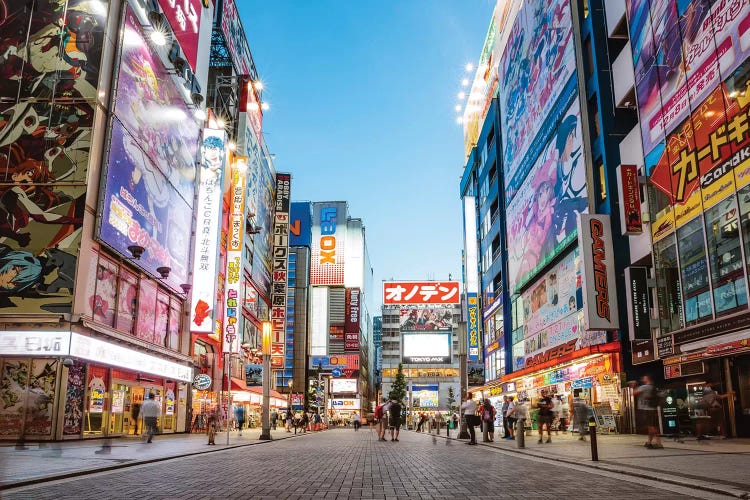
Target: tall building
{"x": 419, "y": 331}
{"x": 340, "y": 326}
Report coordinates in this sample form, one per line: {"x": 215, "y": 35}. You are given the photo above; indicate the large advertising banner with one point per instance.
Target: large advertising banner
{"x": 537, "y": 66}
{"x": 232, "y": 327}
{"x": 427, "y": 319}
{"x": 542, "y": 216}
{"x": 352, "y": 319}
{"x": 424, "y": 396}
{"x": 234, "y": 36}
{"x": 328, "y": 239}
{"x": 205, "y": 260}
{"x": 426, "y": 348}
{"x": 153, "y": 110}
{"x": 300, "y": 226}
{"x": 704, "y": 160}
{"x": 681, "y": 51}
{"x": 141, "y": 208}
{"x": 280, "y": 269}
{"x": 473, "y": 322}
{"x": 421, "y": 292}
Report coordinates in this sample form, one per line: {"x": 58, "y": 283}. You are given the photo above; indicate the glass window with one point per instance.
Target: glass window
{"x": 725, "y": 256}
{"x": 146, "y": 311}
{"x": 668, "y": 283}
{"x": 694, "y": 272}
{"x": 126, "y": 301}
{"x": 161, "y": 321}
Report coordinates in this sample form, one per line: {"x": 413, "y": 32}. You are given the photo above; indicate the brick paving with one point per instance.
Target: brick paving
{"x": 340, "y": 464}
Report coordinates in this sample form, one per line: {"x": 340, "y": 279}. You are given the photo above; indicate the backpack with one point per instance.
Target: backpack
{"x": 379, "y": 411}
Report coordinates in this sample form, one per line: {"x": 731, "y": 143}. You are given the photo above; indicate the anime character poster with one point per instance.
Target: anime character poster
{"x": 536, "y": 70}
{"x": 542, "y": 216}
{"x": 140, "y": 207}
{"x": 428, "y": 319}
{"x": 261, "y": 272}
{"x": 51, "y": 48}
{"x": 681, "y": 51}
{"x": 74, "y": 398}
{"x": 152, "y": 109}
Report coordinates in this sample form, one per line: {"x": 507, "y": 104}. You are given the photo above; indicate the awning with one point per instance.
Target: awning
{"x": 259, "y": 390}
{"x": 238, "y": 384}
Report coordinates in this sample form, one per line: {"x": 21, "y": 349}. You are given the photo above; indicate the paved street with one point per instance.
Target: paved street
{"x": 347, "y": 464}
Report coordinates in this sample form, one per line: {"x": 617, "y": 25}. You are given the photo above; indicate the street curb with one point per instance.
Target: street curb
{"x": 83, "y": 472}
{"x": 627, "y": 470}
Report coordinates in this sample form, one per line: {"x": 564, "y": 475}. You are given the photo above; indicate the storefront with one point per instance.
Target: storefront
{"x": 84, "y": 387}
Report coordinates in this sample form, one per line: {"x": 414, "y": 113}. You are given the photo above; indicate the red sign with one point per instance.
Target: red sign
{"x": 336, "y": 332}
{"x": 630, "y": 199}
{"x": 352, "y": 310}
{"x": 421, "y": 292}
{"x": 250, "y": 104}
{"x": 184, "y": 17}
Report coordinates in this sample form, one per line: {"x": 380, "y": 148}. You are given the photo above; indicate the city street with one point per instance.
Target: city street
{"x": 342, "y": 463}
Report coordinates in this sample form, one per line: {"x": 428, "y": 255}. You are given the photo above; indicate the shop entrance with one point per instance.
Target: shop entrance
{"x": 741, "y": 383}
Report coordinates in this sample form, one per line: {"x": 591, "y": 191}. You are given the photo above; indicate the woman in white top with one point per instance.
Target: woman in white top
{"x": 469, "y": 409}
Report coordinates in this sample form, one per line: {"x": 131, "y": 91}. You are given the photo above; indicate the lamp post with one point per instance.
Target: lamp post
{"x": 265, "y": 424}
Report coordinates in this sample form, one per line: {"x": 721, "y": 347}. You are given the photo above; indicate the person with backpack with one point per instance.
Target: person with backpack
{"x": 395, "y": 413}
{"x": 488, "y": 419}
{"x": 379, "y": 420}
{"x": 647, "y": 413}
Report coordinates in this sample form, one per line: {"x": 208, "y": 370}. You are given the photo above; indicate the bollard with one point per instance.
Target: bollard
{"x": 520, "y": 433}
{"x": 592, "y": 435}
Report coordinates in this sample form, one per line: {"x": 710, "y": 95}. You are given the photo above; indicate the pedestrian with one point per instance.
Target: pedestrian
{"x": 545, "y": 416}
{"x": 503, "y": 410}
{"x": 135, "y": 412}
{"x": 289, "y": 418}
{"x": 213, "y": 423}
{"x": 421, "y": 421}
{"x": 239, "y": 413}
{"x": 394, "y": 411}
{"x": 581, "y": 417}
{"x": 305, "y": 422}
{"x": 647, "y": 398}
{"x": 150, "y": 412}
{"x": 710, "y": 405}
{"x": 469, "y": 409}
{"x": 455, "y": 420}
{"x": 556, "y": 414}
{"x": 357, "y": 421}
{"x": 274, "y": 418}
{"x": 488, "y": 418}
{"x": 381, "y": 416}
{"x": 510, "y": 417}
{"x": 317, "y": 421}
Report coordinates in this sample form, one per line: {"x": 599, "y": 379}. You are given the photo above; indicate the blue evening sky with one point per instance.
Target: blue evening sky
{"x": 362, "y": 98}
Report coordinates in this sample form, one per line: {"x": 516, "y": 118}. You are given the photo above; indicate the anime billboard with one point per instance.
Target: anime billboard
{"x": 536, "y": 84}
{"x": 428, "y": 319}
{"x": 264, "y": 187}
{"x": 542, "y": 216}
{"x": 51, "y": 49}
{"x": 140, "y": 207}
{"x": 681, "y": 51}
{"x": 152, "y": 109}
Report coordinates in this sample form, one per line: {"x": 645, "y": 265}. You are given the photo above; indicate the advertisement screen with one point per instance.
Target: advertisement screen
{"x": 341, "y": 385}
{"x": 536, "y": 85}
{"x": 428, "y": 319}
{"x": 426, "y": 348}
{"x": 424, "y": 396}
{"x": 681, "y": 51}
{"x": 328, "y": 237}
{"x": 542, "y": 216}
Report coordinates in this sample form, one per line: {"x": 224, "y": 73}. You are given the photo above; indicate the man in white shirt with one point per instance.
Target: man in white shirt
{"x": 150, "y": 411}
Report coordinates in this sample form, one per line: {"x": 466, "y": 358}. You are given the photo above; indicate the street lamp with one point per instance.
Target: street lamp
{"x": 265, "y": 424}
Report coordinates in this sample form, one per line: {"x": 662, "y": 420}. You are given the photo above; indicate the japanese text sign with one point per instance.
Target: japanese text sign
{"x": 421, "y": 292}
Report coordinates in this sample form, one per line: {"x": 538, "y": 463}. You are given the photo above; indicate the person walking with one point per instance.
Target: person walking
{"x": 581, "y": 417}
{"x": 469, "y": 410}
{"x": 289, "y": 418}
{"x": 394, "y": 410}
{"x": 357, "y": 421}
{"x": 510, "y": 417}
{"x": 503, "y": 410}
{"x": 380, "y": 420}
{"x": 710, "y": 405}
{"x": 135, "y": 412}
{"x": 545, "y": 416}
{"x": 213, "y": 423}
{"x": 274, "y": 418}
{"x": 488, "y": 419}
{"x": 150, "y": 411}
{"x": 239, "y": 413}
{"x": 647, "y": 399}
{"x": 305, "y": 422}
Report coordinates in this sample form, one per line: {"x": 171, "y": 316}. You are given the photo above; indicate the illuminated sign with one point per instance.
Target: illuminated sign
{"x": 34, "y": 343}
{"x": 208, "y": 216}
{"x": 473, "y": 326}
{"x": 184, "y": 17}
{"x": 639, "y": 320}
{"x": 425, "y": 348}
{"x": 329, "y": 233}
{"x": 630, "y": 199}
{"x": 233, "y": 283}
{"x": 280, "y": 267}
{"x": 343, "y": 385}
{"x": 344, "y": 404}
{"x": 598, "y": 273}
{"x": 426, "y": 319}
{"x": 551, "y": 354}
{"x": 351, "y": 326}
{"x": 421, "y": 292}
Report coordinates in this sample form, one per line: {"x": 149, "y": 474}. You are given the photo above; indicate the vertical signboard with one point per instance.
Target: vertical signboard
{"x": 184, "y": 16}
{"x": 472, "y": 302}
{"x": 351, "y": 325}
{"x": 328, "y": 237}
{"x": 234, "y": 35}
{"x": 208, "y": 216}
{"x": 630, "y": 199}
{"x": 280, "y": 268}
{"x": 598, "y": 272}
{"x": 300, "y": 224}
{"x": 232, "y": 288}
{"x": 639, "y": 322}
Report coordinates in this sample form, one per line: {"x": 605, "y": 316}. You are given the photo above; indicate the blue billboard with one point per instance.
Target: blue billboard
{"x": 300, "y": 224}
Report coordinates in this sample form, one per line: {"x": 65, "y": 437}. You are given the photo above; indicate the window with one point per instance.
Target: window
{"x": 694, "y": 270}
{"x": 103, "y": 302}
{"x": 126, "y": 301}
{"x": 668, "y": 283}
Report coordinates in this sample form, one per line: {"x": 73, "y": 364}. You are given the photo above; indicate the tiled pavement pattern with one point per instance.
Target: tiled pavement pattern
{"x": 347, "y": 464}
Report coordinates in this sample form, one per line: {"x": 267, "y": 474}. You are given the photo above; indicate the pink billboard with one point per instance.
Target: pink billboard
{"x": 184, "y": 16}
